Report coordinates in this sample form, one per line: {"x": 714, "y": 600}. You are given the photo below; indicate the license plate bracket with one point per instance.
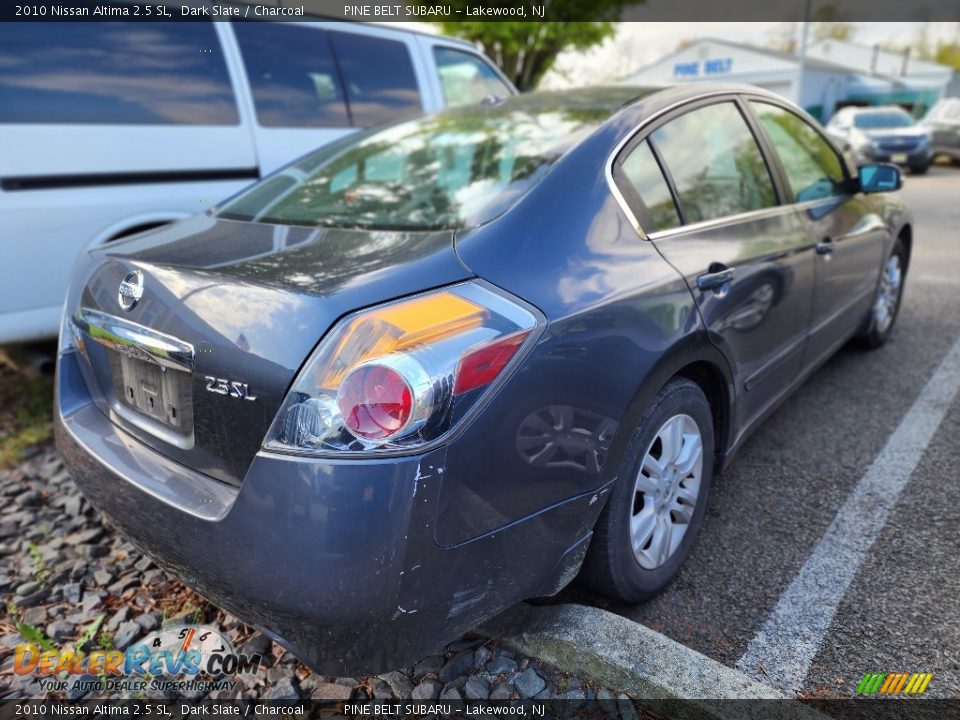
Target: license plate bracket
{"x": 160, "y": 395}
{"x": 898, "y": 157}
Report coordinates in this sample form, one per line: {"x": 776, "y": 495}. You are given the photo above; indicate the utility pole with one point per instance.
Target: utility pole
{"x": 802, "y": 50}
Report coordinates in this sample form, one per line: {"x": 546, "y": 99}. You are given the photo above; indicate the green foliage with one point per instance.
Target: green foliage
{"x": 105, "y": 639}
{"x": 833, "y": 30}
{"x": 526, "y": 50}
{"x": 40, "y": 571}
{"x": 26, "y": 405}
{"x": 90, "y": 631}
{"x": 36, "y": 636}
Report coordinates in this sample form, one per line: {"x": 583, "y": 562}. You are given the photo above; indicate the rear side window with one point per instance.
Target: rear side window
{"x": 715, "y": 162}
{"x": 292, "y": 74}
{"x": 641, "y": 170}
{"x": 381, "y": 86}
{"x": 812, "y": 166}
{"x": 114, "y": 73}
{"x": 466, "y": 79}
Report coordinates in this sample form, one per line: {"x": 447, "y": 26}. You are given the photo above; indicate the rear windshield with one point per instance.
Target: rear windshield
{"x": 878, "y": 120}
{"x": 453, "y": 170}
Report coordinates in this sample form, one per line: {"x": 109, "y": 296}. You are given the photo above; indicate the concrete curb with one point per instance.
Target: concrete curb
{"x": 625, "y": 655}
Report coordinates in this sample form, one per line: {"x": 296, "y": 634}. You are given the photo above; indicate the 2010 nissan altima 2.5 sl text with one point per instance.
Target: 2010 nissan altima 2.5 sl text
{"x": 443, "y": 366}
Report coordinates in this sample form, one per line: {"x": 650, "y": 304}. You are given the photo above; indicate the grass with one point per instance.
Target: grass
{"x": 26, "y": 406}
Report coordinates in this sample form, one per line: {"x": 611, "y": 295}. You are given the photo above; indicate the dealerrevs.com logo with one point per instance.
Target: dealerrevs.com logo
{"x": 173, "y": 658}
{"x": 894, "y": 683}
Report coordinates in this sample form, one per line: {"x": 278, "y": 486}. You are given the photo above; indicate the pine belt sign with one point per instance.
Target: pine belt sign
{"x": 696, "y": 68}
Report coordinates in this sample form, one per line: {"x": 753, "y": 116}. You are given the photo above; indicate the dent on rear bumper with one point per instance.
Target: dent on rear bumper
{"x": 335, "y": 559}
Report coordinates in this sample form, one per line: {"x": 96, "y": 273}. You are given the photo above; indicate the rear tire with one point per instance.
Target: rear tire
{"x": 656, "y": 506}
{"x": 886, "y": 303}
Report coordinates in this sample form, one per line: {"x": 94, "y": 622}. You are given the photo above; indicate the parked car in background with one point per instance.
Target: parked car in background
{"x": 497, "y": 345}
{"x": 883, "y": 134}
{"x": 113, "y": 128}
{"x": 943, "y": 122}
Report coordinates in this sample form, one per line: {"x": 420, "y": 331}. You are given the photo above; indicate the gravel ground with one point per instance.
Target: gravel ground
{"x": 62, "y": 568}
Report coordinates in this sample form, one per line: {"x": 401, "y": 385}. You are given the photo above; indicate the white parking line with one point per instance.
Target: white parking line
{"x": 785, "y": 646}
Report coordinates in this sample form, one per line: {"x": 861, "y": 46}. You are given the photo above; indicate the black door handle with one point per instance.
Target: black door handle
{"x": 718, "y": 276}
{"x": 825, "y": 246}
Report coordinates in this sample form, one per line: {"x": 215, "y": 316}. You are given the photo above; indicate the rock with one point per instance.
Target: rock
{"x": 503, "y": 691}
{"x": 458, "y": 646}
{"x": 399, "y": 683}
{"x": 543, "y": 694}
{"x": 35, "y": 598}
{"x": 456, "y": 666}
{"x": 257, "y": 644}
{"x": 605, "y": 695}
{"x": 430, "y": 664}
{"x": 143, "y": 564}
{"x": 501, "y": 665}
{"x": 450, "y": 693}
{"x": 80, "y": 686}
{"x": 348, "y": 681}
{"x": 27, "y": 588}
{"x": 118, "y": 617}
{"x": 476, "y": 688}
{"x": 72, "y": 592}
{"x": 528, "y": 683}
{"x": 278, "y": 673}
{"x": 60, "y": 630}
{"x": 331, "y": 691}
{"x": 283, "y": 690}
{"x": 85, "y": 537}
{"x": 90, "y": 601}
{"x": 35, "y": 616}
{"x": 73, "y": 505}
{"x": 126, "y": 633}
{"x": 481, "y": 656}
{"x": 380, "y": 689}
{"x": 426, "y": 690}
{"x": 148, "y": 621}
{"x": 103, "y": 577}
{"x": 626, "y": 707}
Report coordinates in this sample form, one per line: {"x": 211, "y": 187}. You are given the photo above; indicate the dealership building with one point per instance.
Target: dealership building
{"x": 833, "y": 74}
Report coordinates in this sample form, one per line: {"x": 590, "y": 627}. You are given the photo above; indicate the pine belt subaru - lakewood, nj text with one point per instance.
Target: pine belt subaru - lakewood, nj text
{"x": 440, "y": 367}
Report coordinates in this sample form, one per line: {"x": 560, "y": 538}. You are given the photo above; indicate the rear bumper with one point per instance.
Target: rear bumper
{"x": 334, "y": 559}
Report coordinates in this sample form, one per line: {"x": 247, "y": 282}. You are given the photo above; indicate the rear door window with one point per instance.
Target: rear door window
{"x": 466, "y": 79}
{"x": 813, "y": 167}
{"x": 114, "y": 74}
{"x": 381, "y": 85}
{"x": 643, "y": 174}
{"x": 292, "y": 75}
{"x": 715, "y": 162}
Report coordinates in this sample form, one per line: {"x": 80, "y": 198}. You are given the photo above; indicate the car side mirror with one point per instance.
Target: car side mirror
{"x": 880, "y": 177}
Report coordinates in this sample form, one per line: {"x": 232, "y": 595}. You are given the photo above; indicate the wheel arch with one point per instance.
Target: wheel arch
{"x": 698, "y": 360}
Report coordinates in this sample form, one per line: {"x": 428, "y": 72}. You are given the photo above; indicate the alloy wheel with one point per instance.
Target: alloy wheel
{"x": 666, "y": 491}
{"x": 888, "y": 295}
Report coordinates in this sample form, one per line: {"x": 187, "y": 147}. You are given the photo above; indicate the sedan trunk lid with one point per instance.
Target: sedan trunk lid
{"x": 199, "y": 364}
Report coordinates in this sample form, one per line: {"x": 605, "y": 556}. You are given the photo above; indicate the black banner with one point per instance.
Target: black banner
{"x": 484, "y": 11}
{"x": 893, "y": 709}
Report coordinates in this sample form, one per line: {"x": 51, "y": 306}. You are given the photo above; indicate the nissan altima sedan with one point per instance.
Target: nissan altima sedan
{"x": 447, "y": 365}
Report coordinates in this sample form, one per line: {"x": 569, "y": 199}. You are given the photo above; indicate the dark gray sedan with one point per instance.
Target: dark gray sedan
{"x": 444, "y": 366}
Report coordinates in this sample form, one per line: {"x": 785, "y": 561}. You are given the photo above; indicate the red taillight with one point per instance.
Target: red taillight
{"x": 375, "y": 402}
{"x": 482, "y": 365}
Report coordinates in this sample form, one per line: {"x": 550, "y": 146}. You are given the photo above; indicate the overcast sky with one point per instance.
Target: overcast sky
{"x": 638, "y": 44}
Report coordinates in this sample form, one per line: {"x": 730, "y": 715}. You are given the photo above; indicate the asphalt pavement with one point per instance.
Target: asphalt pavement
{"x": 768, "y": 515}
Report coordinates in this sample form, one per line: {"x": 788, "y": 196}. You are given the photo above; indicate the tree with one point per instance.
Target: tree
{"x": 948, "y": 54}
{"x": 833, "y": 30}
{"x": 526, "y": 50}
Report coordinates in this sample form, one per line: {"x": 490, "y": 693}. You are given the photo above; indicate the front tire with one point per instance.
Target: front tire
{"x": 656, "y": 506}
{"x": 919, "y": 169}
{"x": 886, "y": 302}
